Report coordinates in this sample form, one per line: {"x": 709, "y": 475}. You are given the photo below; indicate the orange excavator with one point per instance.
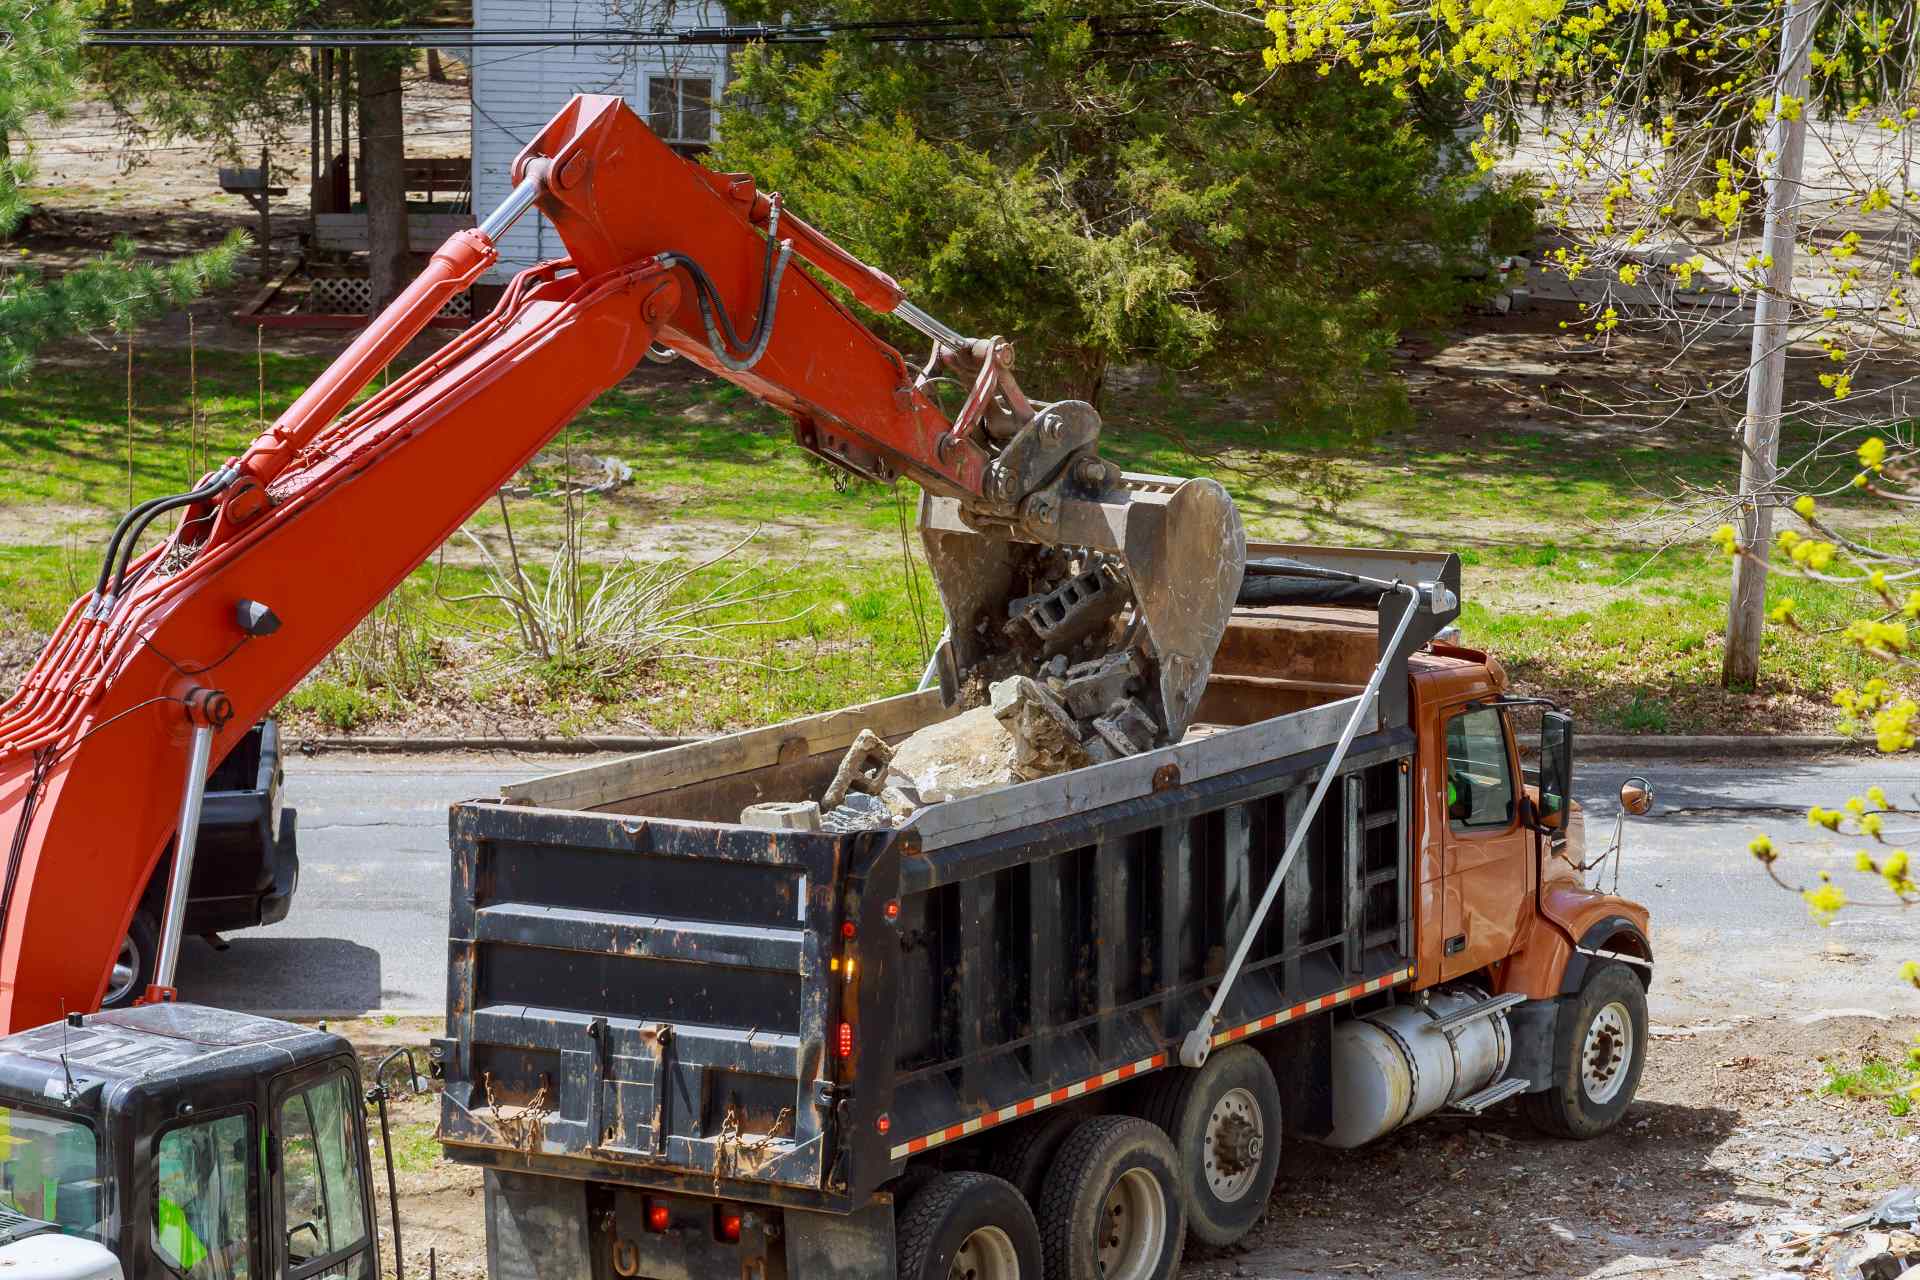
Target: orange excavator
{"x": 1038, "y": 546}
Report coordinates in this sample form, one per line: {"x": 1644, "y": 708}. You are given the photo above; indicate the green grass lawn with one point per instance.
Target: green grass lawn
{"x": 1575, "y": 598}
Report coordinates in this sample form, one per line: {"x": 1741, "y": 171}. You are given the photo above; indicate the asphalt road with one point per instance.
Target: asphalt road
{"x": 367, "y": 931}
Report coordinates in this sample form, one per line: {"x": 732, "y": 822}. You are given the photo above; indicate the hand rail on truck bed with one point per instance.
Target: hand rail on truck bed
{"x": 1199, "y": 1041}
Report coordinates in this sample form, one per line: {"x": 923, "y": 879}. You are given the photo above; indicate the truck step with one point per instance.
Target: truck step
{"x": 1475, "y": 1103}
{"x": 1485, "y": 1009}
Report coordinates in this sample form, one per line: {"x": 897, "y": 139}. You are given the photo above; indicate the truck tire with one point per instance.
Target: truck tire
{"x": 1224, "y": 1120}
{"x": 1023, "y": 1156}
{"x": 1112, "y": 1208}
{"x": 133, "y": 963}
{"x": 967, "y": 1224}
{"x": 1599, "y": 1047}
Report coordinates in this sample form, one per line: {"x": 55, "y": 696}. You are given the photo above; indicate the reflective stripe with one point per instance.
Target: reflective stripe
{"x": 1026, "y": 1107}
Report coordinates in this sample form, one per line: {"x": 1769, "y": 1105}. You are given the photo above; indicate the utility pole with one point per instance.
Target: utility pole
{"x": 1767, "y": 363}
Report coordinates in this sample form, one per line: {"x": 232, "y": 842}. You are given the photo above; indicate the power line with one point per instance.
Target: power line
{"x": 928, "y": 31}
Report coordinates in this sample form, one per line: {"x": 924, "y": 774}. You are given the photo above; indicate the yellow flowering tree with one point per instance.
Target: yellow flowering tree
{"x": 1885, "y": 583}
{"x": 1653, "y": 125}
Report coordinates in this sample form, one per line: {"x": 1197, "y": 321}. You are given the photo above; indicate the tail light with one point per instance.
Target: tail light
{"x": 844, "y": 1044}
{"x": 727, "y": 1225}
{"x": 658, "y": 1218}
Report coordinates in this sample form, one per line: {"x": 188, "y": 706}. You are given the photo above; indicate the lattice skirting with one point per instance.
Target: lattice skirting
{"x": 353, "y": 296}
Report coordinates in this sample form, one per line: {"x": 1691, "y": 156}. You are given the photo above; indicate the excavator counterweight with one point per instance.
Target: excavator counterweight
{"x": 1039, "y": 547}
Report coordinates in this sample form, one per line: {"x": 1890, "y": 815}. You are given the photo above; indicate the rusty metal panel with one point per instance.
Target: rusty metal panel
{"x": 1045, "y": 963}
{"x": 641, "y": 994}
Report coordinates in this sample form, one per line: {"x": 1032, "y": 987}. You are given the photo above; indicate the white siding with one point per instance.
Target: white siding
{"x": 516, "y": 91}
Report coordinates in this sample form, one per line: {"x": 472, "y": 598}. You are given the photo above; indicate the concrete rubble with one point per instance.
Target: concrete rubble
{"x": 782, "y": 815}
{"x": 1064, "y": 716}
{"x": 1082, "y": 699}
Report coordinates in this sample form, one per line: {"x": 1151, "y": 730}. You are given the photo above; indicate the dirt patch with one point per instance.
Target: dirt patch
{"x": 1729, "y": 1151}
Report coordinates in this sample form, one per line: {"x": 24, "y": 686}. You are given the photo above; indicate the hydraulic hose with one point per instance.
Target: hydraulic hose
{"x": 113, "y": 543}
{"x": 713, "y": 308}
{"x": 135, "y": 522}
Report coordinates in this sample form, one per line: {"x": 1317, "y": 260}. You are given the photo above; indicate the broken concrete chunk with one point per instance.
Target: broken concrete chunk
{"x": 1874, "y": 1259}
{"x": 863, "y": 770}
{"x": 782, "y": 815}
{"x": 971, "y": 753}
{"x": 1093, "y": 687}
{"x": 902, "y": 800}
{"x": 1046, "y": 740}
{"x": 1127, "y": 727}
{"x": 858, "y": 812}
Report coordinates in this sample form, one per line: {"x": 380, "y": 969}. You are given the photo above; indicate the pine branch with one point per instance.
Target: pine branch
{"x": 114, "y": 291}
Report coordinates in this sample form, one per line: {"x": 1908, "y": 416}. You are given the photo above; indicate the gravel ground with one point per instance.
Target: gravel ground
{"x": 1723, "y": 1168}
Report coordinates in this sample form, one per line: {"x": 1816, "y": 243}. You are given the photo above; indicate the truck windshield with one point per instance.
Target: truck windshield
{"x": 50, "y": 1169}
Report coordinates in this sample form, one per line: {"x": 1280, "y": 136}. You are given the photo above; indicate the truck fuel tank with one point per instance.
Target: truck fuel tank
{"x": 1403, "y": 1063}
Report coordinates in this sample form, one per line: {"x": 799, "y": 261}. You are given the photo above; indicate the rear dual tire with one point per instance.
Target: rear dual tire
{"x": 1111, "y": 1208}
{"x": 133, "y": 964}
{"x": 1224, "y": 1120}
{"x": 967, "y": 1226}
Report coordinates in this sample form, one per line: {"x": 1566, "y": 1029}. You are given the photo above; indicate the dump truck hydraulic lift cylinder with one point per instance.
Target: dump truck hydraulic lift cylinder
{"x": 1199, "y": 1042}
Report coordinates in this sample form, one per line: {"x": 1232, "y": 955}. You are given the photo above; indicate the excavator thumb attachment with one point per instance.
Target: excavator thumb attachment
{"x": 1059, "y": 582}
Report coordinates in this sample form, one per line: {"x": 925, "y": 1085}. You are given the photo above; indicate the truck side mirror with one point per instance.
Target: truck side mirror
{"x": 1556, "y": 769}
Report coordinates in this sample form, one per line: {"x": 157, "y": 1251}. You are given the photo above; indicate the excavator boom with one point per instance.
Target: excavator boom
{"x": 1035, "y": 542}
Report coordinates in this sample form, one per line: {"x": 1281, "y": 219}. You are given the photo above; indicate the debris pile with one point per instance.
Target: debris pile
{"x": 1877, "y": 1244}
{"x": 1065, "y": 716}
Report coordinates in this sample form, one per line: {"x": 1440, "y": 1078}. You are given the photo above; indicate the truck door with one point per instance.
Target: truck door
{"x": 1488, "y": 863}
{"x": 320, "y": 1178}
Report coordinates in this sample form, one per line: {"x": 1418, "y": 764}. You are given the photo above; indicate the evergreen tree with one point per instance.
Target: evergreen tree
{"x": 1106, "y": 195}
{"x": 38, "y": 66}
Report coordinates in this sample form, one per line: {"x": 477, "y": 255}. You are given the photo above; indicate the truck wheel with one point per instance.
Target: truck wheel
{"x": 1024, "y": 1156}
{"x": 133, "y": 964}
{"x": 1112, "y": 1210}
{"x": 1599, "y": 1047}
{"x": 1224, "y": 1120}
{"x": 967, "y": 1226}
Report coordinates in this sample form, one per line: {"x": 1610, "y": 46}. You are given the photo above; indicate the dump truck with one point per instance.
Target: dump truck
{"x": 1053, "y": 1028}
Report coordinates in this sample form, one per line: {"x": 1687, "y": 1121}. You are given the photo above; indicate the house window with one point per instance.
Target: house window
{"x": 680, "y": 108}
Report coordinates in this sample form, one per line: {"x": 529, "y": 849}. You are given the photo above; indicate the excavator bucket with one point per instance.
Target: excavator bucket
{"x": 1151, "y": 567}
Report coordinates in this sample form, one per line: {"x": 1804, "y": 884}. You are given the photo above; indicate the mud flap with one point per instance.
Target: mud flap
{"x": 536, "y": 1227}
{"x": 1532, "y": 1025}
{"x": 828, "y": 1246}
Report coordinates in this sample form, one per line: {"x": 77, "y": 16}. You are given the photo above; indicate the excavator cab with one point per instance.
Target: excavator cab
{"x": 178, "y": 1140}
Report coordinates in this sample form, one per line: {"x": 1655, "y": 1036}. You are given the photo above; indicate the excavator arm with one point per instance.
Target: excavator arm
{"x": 1038, "y": 546}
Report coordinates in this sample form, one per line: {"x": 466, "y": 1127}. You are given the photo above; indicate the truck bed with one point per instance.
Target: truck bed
{"x": 643, "y": 991}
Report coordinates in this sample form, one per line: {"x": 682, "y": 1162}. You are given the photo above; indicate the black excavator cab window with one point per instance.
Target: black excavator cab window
{"x": 50, "y": 1171}
{"x": 204, "y": 1205}
{"x": 321, "y": 1182}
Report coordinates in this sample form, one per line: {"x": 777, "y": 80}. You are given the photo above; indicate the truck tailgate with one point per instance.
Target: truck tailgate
{"x": 630, "y": 990}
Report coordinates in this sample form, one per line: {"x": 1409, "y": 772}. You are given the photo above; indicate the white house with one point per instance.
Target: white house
{"x": 516, "y": 91}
